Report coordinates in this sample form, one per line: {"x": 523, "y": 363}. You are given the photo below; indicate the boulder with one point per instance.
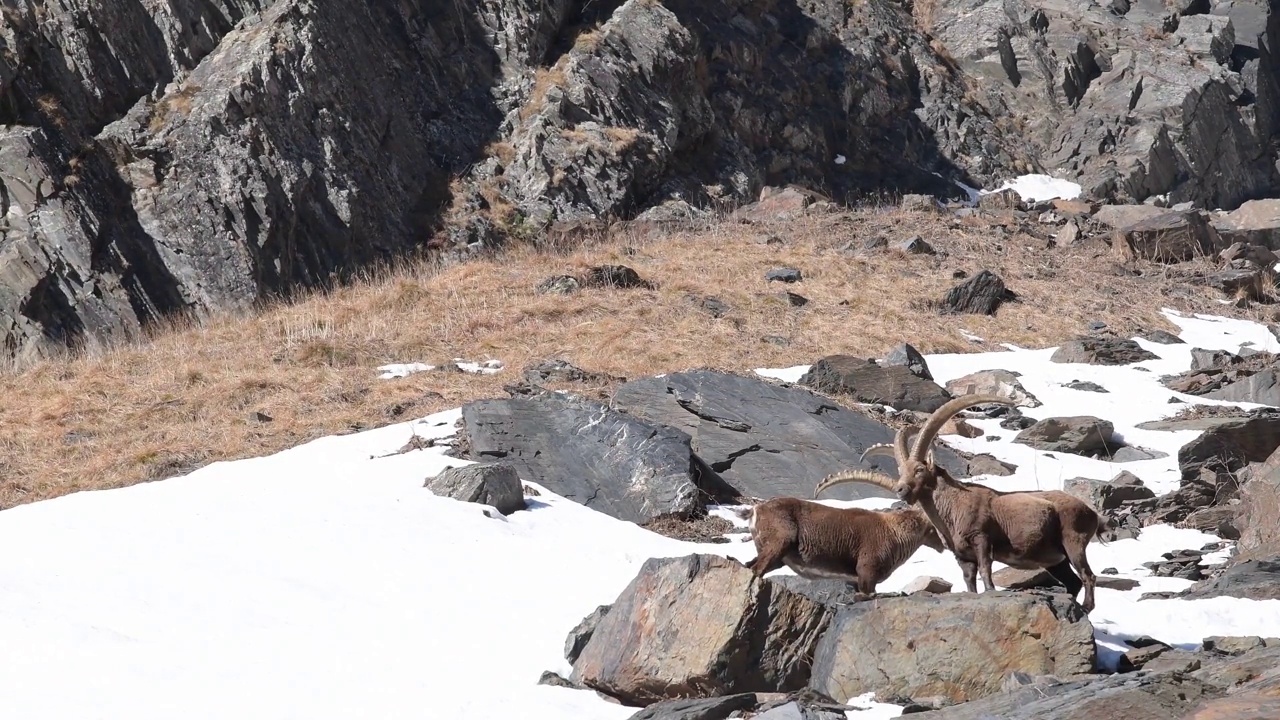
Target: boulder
{"x": 993, "y": 382}
{"x": 1251, "y": 579}
{"x": 1262, "y": 387}
{"x": 1255, "y": 222}
{"x": 581, "y": 633}
{"x": 981, "y": 294}
{"x": 496, "y": 484}
{"x": 1116, "y": 217}
{"x": 1259, "y": 508}
{"x": 1254, "y": 254}
{"x": 1102, "y": 351}
{"x": 700, "y": 626}
{"x": 1017, "y": 579}
{"x": 609, "y": 461}
{"x": 1163, "y": 338}
{"x": 1101, "y": 495}
{"x": 1080, "y": 435}
{"x": 1230, "y": 446}
{"x": 765, "y": 439}
{"x": 866, "y": 381}
{"x": 927, "y": 584}
{"x": 957, "y": 645}
{"x": 907, "y": 356}
{"x": 1167, "y": 237}
{"x": 983, "y": 464}
{"x": 1233, "y": 644}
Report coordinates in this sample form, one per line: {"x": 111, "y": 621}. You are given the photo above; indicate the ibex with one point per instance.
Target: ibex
{"x": 850, "y": 544}
{"x": 1047, "y": 529}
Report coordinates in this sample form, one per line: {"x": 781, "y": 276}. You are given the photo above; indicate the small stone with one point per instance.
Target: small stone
{"x": 776, "y": 340}
{"x": 1086, "y": 386}
{"x": 259, "y": 416}
{"x": 927, "y": 584}
{"x": 917, "y": 246}
{"x": 794, "y": 299}
{"x": 876, "y": 243}
{"x": 783, "y": 274}
{"x": 559, "y": 285}
{"x": 1163, "y": 338}
{"x": 918, "y": 203}
{"x": 909, "y": 357}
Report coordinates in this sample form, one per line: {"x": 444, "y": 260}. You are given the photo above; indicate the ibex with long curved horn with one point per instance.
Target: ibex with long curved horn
{"x": 1041, "y": 529}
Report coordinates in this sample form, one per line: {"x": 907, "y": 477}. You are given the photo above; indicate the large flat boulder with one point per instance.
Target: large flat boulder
{"x": 1251, "y": 579}
{"x": 870, "y": 382}
{"x": 958, "y": 645}
{"x": 700, "y": 626}
{"x": 607, "y": 460}
{"x": 1255, "y": 222}
{"x": 1117, "y": 697}
{"x": 762, "y": 438}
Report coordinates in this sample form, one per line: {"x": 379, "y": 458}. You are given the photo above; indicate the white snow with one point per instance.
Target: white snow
{"x": 1035, "y": 187}
{"x": 399, "y": 370}
{"x": 325, "y": 582}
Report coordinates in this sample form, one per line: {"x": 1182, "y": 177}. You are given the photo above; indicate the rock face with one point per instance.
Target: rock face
{"x": 698, "y": 626}
{"x": 584, "y": 451}
{"x": 1260, "y": 506}
{"x": 765, "y": 439}
{"x": 958, "y": 645}
{"x": 197, "y": 156}
{"x": 867, "y": 381}
{"x": 495, "y": 484}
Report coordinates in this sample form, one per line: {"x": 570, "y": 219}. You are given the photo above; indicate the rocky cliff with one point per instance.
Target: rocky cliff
{"x": 202, "y": 155}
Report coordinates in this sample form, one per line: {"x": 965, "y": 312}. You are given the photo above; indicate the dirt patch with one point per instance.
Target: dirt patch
{"x": 706, "y": 529}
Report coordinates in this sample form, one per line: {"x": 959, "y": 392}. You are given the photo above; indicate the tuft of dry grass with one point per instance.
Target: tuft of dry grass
{"x": 199, "y": 393}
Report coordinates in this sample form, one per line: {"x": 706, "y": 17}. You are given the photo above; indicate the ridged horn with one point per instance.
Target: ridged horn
{"x": 945, "y": 413}
{"x": 870, "y": 477}
{"x": 881, "y": 449}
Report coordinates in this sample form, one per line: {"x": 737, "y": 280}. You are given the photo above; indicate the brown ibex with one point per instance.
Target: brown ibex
{"x": 1034, "y": 529}
{"x": 850, "y": 544}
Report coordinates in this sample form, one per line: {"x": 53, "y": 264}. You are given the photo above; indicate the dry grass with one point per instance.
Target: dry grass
{"x": 192, "y": 395}
{"x": 175, "y": 104}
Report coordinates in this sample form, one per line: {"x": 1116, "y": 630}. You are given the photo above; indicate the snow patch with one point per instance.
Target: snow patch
{"x": 1035, "y": 187}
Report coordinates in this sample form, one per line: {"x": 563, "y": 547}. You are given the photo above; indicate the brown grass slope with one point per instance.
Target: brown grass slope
{"x": 191, "y": 396}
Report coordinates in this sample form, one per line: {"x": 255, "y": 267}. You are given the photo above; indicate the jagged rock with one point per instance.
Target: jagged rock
{"x": 993, "y": 382}
{"x": 713, "y": 305}
{"x": 1102, "y": 351}
{"x": 1255, "y": 222}
{"x": 1115, "y": 583}
{"x": 582, "y": 450}
{"x": 614, "y": 276}
{"x": 1162, "y": 337}
{"x": 496, "y": 484}
{"x": 716, "y": 708}
{"x": 1180, "y": 661}
{"x": 866, "y": 381}
{"x": 917, "y": 246}
{"x": 561, "y": 370}
{"x": 1261, "y": 387}
{"x": 910, "y": 358}
{"x": 1168, "y": 237}
{"x": 1080, "y": 435}
{"x": 764, "y": 439}
{"x": 581, "y": 633}
{"x": 1138, "y": 657}
{"x": 1202, "y": 359}
{"x": 1230, "y": 446}
{"x": 981, "y": 294}
{"x": 927, "y": 584}
{"x": 1125, "y": 487}
{"x": 699, "y": 626}
{"x": 793, "y": 299}
{"x": 1252, "y": 579}
{"x": 1254, "y": 254}
{"x": 1220, "y": 521}
{"x": 1121, "y": 216}
{"x": 1248, "y": 282}
{"x": 957, "y": 645}
{"x": 1007, "y": 199}
{"x": 1086, "y": 386}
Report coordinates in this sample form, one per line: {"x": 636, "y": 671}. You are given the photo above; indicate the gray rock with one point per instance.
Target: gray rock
{"x": 927, "y": 584}
{"x": 913, "y": 202}
{"x": 581, "y": 633}
{"x": 1251, "y": 579}
{"x": 1230, "y": 446}
{"x": 1101, "y": 351}
{"x": 1255, "y": 222}
{"x": 993, "y": 382}
{"x": 716, "y": 708}
{"x": 765, "y": 439}
{"x": 1262, "y": 387}
{"x": 583, "y": 450}
{"x": 700, "y": 625}
{"x": 981, "y": 294}
{"x": 786, "y": 275}
{"x": 1259, "y": 508}
{"x": 910, "y": 358}
{"x": 1163, "y": 338}
{"x": 1017, "y": 579}
{"x": 1129, "y": 453}
{"x": 1080, "y": 435}
{"x": 958, "y": 645}
{"x": 1202, "y": 359}
{"x": 983, "y": 464}
{"x": 1254, "y": 254}
{"x": 1121, "y": 216}
{"x": 561, "y": 370}
{"x": 496, "y": 484}
{"x": 1125, "y": 487}
{"x": 866, "y": 381}
{"x": 1233, "y": 645}
{"x": 1168, "y": 237}
{"x": 917, "y": 246}
{"x": 1086, "y": 386}
{"x": 1220, "y": 521}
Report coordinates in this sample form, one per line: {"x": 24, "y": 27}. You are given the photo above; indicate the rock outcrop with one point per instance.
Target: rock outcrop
{"x": 187, "y": 158}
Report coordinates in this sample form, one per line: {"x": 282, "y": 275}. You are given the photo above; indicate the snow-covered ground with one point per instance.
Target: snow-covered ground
{"x": 325, "y": 582}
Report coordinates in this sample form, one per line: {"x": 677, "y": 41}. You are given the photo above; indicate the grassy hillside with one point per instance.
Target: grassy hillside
{"x": 194, "y": 395}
